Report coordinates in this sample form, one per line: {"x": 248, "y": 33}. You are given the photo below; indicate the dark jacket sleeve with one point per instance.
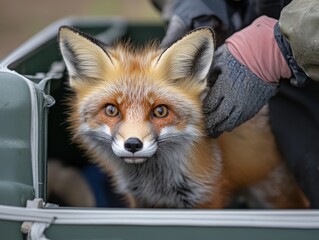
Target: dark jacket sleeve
{"x": 188, "y": 10}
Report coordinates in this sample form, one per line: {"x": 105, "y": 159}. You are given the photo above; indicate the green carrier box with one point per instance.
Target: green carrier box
{"x": 32, "y": 80}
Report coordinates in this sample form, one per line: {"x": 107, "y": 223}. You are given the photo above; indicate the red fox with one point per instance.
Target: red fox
{"x": 138, "y": 113}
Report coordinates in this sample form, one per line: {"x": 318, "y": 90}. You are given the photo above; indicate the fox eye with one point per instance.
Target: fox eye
{"x": 111, "y": 110}
{"x": 160, "y": 111}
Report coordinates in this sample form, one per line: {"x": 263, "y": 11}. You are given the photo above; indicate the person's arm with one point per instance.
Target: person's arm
{"x": 298, "y": 38}
{"x": 185, "y": 15}
{"x": 250, "y": 58}
{"x": 248, "y": 66}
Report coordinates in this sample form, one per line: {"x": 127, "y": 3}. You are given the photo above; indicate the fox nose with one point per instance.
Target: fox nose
{"x": 133, "y": 145}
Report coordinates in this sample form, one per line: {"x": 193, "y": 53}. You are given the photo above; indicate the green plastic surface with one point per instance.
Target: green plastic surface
{"x": 73, "y": 232}
{"x": 15, "y": 122}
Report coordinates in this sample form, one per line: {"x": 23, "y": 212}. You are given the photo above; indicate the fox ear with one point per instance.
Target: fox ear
{"x": 190, "y": 56}
{"x": 85, "y": 57}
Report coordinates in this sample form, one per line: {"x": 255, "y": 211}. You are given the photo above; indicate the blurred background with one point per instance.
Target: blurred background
{"x": 21, "y": 19}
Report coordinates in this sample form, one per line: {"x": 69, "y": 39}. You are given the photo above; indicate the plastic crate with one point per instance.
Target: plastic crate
{"x": 29, "y": 77}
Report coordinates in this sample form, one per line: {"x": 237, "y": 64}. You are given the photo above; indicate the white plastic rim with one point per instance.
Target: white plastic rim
{"x": 298, "y": 219}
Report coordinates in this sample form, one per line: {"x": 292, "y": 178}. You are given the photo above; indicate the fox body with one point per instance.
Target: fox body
{"x": 138, "y": 113}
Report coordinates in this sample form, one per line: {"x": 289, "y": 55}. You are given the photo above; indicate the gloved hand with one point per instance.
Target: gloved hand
{"x": 178, "y": 27}
{"x": 185, "y": 15}
{"x": 245, "y": 82}
{"x": 237, "y": 95}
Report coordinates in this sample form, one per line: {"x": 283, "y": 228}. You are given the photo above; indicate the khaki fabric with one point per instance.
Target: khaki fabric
{"x": 299, "y": 23}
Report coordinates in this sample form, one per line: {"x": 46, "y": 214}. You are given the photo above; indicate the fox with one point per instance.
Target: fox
{"x": 137, "y": 113}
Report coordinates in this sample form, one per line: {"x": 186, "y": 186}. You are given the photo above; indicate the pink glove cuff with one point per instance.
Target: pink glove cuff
{"x": 255, "y": 46}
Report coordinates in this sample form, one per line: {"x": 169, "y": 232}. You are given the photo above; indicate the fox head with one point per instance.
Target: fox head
{"x": 132, "y": 104}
